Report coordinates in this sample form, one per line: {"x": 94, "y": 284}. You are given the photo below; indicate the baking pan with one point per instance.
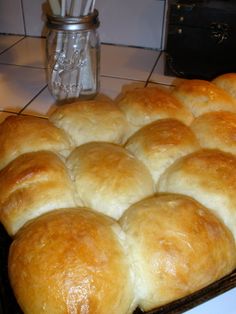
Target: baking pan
{"x": 8, "y": 304}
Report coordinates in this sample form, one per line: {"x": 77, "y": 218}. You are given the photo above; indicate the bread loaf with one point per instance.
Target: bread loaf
{"x": 95, "y": 120}
{"x": 227, "y": 82}
{"x": 108, "y": 178}
{"x": 209, "y": 176}
{"x": 24, "y": 134}
{"x": 32, "y": 184}
{"x": 160, "y": 143}
{"x": 216, "y": 130}
{"x": 61, "y": 179}
{"x": 172, "y": 241}
{"x": 201, "y": 96}
{"x": 71, "y": 261}
{"x": 142, "y": 106}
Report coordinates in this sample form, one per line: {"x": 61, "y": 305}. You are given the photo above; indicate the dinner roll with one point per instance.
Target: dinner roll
{"x": 144, "y": 105}
{"x": 201, "y": 96}
{"x": 177, "y": 246}
{"x": 227, "y": 82}
{"x": 32, "y": 184}
{"x": 108, "y": 178}
{"x": 160, "y": 143}
{"x": 24, "y": 134}
{"x": 94, "y": 120}
{"x": 71, "y": 261}
{"x": 209, "y": 176}
{"x": 216, "y": 130}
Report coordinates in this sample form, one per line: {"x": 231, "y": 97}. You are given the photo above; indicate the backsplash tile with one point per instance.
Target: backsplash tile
{"x": 137, "y": 23}
{"x": 11, "y": 17}
{"x": 132, "y": 22}
{"x": 34, "y": 17}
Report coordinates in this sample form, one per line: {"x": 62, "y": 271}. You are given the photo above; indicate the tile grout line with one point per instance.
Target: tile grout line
{"x": 144, "y": 80}
{"x": 7, "y": 111}
{"x": 22, "y": 66}
{"x": 28, "y": 104}
{"x": 14, "y": 44}
{"x": 150, "y": 74}
{"x": 32, "y": 115}
{"x": 122, "y": 78}
{"x": 23, "y": 16}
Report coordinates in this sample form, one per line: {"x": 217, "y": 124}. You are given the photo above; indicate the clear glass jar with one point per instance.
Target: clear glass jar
{"x": 73, "y": 56}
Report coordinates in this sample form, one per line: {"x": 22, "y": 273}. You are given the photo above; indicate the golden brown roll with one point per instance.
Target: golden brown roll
{"x": 24, "y": 134}
{"x": 216, "y": 130}
{"x": 144, "y": 105}
{"x": 160, "y": 143}
{"x": 32, "y": 184}
{"x": 201, "y": 96}
{"x": 108, "y": 178}
{"x": 94, "y": 120}
{"x": 177, "y": 247}
{"x": 227, "y": 82}
{"x": 71, "y": 261}
{"x": 209, "y": 176}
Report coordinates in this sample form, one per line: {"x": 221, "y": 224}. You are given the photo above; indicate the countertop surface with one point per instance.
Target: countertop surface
{"x": 23, "y": 86}
{"x": 23, "y": 90}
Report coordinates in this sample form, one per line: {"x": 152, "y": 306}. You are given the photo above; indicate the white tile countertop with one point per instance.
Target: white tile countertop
{"x": 23, "y": 86}
{"x": 23, "y": 90}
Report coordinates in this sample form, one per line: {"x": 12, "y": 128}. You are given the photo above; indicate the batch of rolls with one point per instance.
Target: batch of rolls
{"x": 117, "y": 205}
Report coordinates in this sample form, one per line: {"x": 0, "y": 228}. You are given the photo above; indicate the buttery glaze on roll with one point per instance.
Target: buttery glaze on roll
{"x": 71, "y": 261}
{"x": 142, "y": 106}
{"x": 209, "y": 176}
{"x": 108, "y": 178}
{"x": 216, "y": 130}
{"x": 32, "y": 184}
{"x": 227, "y": 82}
{"x": 94, "y": 120}
{"x": 201, "y": 96}
{"x": 25, "y": 134}
{"x": 177, "y": 247}
{"x": 160, "y": 143}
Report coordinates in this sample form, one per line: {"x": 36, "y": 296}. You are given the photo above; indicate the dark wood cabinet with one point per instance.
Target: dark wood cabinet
{"x": 201, "y": 40}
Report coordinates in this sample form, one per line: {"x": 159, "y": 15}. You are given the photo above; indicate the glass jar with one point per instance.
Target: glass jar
{"x": 73, "y": 56}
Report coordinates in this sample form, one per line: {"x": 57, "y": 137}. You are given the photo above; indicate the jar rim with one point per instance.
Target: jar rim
{"x": 69, "y": 23}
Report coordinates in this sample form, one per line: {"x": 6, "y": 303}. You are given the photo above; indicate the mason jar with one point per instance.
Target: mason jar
{"x": 73, "y": 56}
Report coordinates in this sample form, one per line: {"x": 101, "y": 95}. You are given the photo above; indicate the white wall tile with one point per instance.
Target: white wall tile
{"x": 11, "y": 18}
{"x": 165, "y": 23}
{"x": 131, "y": 22}
{"x": 136, "y": 23}
{"x": 34, "y": 17}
